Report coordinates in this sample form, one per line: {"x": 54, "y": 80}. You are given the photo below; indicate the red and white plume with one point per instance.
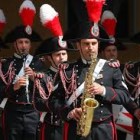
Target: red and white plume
{"x": 109, "y": 21}
{"x": 50, "y": 19}
{"x": 94, "y": 10}
{"x": 2, "y": 21}
{"x": 27, "y": 13}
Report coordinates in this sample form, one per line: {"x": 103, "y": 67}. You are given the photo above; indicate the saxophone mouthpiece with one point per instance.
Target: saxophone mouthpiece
{"x": 93, "y": 55}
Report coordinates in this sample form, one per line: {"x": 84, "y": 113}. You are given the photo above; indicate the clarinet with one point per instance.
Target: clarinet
{"x": 27, "y": 79}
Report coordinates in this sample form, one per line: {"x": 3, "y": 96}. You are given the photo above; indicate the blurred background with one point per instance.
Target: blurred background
{"x": 71, "y": 11}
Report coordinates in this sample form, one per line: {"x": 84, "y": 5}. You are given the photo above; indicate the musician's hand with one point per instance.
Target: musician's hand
{"x": 21, "y": 81}
{"x": 129, "y": 65}
{"x": 75, "y": 114}
{"x": 114, "y": 64}
{"x": 39, "y": 75}
{"x": 137, "y": 113}
{"x": 29, "y": 72}
{"x": 96, "y": 89}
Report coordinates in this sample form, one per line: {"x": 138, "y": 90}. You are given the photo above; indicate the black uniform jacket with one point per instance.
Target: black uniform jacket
{"x": 111, "y": 79}
{"x": 17, "y": 99}
{"x": 42, "y": 104}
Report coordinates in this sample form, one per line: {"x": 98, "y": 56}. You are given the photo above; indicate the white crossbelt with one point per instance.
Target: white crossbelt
{"x": 80, "y": 89}
{"x": 21, "y": 72}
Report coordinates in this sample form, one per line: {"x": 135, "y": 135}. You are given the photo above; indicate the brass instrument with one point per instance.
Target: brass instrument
{"x": 88, "y": 103}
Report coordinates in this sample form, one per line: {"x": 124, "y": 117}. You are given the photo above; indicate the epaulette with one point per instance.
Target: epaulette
{"x": 2, "y": 60}
{"x": 5, "y": 59}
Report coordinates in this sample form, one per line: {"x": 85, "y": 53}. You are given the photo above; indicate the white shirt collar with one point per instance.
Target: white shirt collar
{"x": 17, "y": 55}
{"x": 85, "y": 61}
{"x": 53, "y": 69}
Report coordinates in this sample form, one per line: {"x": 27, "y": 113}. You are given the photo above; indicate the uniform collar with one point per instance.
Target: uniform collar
{"x": 53, "y": 69}
{"x": 85, "y": 61}
{"x": 17, "y": 55}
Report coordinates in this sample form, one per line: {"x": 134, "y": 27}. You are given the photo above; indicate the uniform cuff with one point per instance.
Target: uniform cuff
{"x": 104, "y": 91}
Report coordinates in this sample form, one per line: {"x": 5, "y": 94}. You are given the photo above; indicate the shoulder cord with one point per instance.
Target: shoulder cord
{"x": 9, "y": 74}
{"x": 138, "y": 85}
{"x": 130, "y": 79}
{"x": 37, "y": 84}
{"x": 49, "y": 85}
{"x": 70, "y": 81}
{"x": 42, "y": 93}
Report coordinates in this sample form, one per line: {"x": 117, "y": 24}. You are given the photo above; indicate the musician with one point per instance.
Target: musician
{"x": 109, "y": 51}
{"x": 55, "y": 52}
{"x": 20, "y": 117}
{"x": 108, "y": 88}
{"x": 2, "y": 46}
{"x": 132, "y": 77}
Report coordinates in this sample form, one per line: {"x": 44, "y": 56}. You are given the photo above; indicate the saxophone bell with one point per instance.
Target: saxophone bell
{"x": 90, "y": 104}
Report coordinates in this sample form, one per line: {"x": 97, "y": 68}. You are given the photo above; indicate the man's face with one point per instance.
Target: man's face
{"x": 58, "y": 57}
{"x": 110, "y": 52}
{"x": 86, "y": 47}
{"x": 22, "y": 46}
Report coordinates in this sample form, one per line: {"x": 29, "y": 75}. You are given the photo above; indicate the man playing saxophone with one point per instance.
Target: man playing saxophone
{"x": 108, "y": 88}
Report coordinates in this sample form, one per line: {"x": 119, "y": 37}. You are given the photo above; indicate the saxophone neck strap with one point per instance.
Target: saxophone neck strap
{"x": 80, "y": 89}
{"x": 21, "y": 72}
{"x": 98, "y": 67}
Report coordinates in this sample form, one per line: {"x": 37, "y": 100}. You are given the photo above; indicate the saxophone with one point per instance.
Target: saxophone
{"x": 88, "y": 103}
